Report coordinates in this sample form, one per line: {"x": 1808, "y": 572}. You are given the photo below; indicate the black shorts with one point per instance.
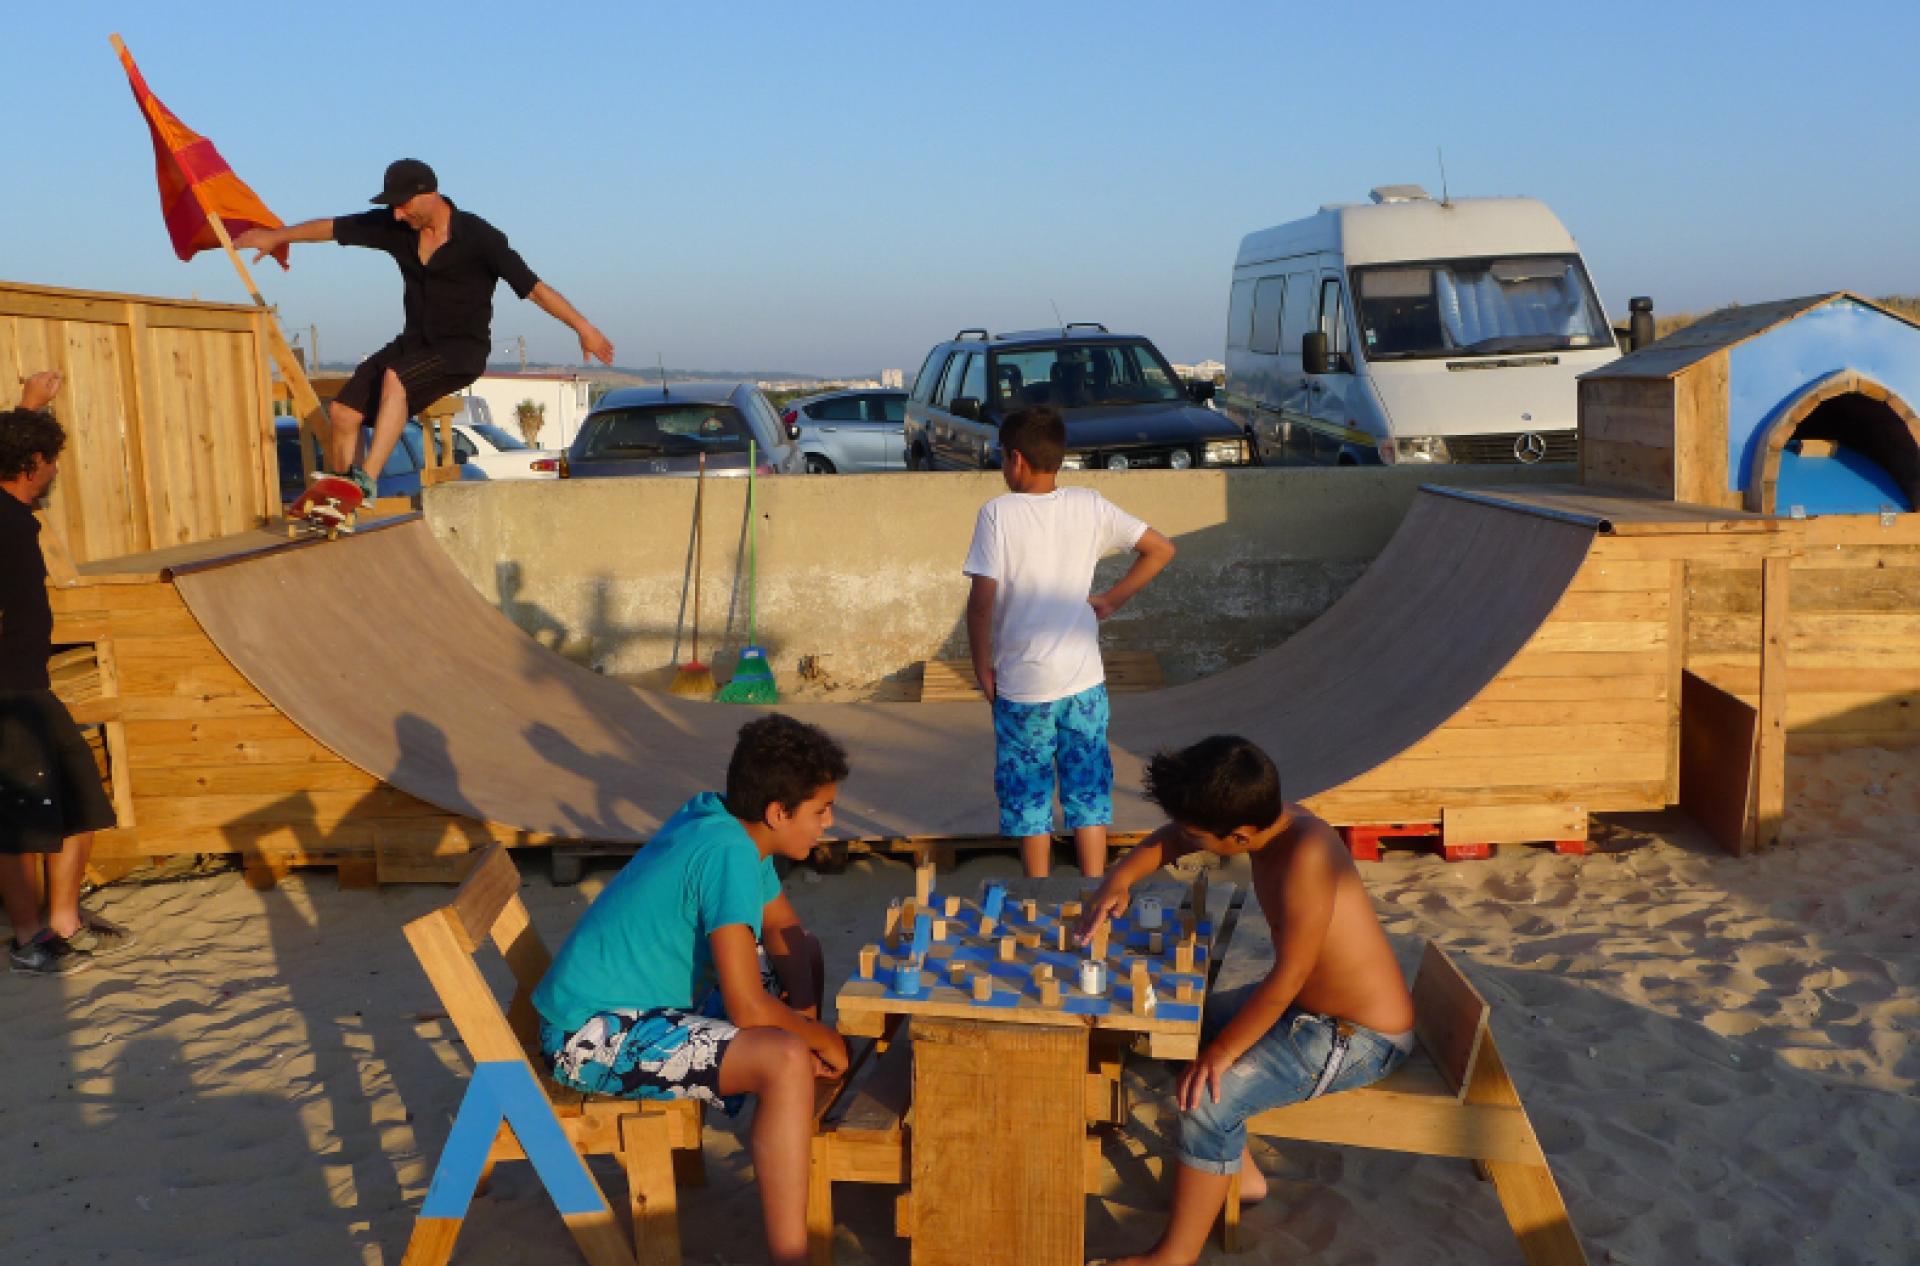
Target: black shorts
{"x": 422, "y": 372}
{"x": 50, "y": 787}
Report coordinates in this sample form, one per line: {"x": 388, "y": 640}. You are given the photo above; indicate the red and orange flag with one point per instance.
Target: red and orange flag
{"x": 195, "y": 182}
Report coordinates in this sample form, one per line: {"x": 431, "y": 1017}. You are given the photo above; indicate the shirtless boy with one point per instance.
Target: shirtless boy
{"x": 1334, "y": 1013}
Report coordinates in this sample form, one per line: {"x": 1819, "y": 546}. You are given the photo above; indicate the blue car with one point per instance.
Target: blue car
{"x": 400, "y": 478}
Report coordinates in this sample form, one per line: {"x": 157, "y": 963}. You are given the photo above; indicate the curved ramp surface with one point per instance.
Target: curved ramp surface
{"x": 378, "y": 647}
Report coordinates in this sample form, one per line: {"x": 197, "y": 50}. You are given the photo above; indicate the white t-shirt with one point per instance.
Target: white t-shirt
{"x": 1041, "y": 550}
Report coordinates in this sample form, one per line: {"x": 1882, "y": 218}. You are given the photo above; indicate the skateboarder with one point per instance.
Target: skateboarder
{"x": 450, "y": 261}
{"x": 51, "y": 799}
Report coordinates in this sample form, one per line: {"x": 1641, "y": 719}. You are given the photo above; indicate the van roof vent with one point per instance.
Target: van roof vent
{"x": 1400, "y": 193}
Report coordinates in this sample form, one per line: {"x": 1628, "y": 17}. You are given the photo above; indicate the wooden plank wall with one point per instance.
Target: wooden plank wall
{"x": 1626, "y": 434}
{"x": 1853, "y": 632}
{"x": 1584, "y": 715}
{"x": 1660, "y": 436}
{"x": 207, "y": 765}
{"x": 166, "y": 410}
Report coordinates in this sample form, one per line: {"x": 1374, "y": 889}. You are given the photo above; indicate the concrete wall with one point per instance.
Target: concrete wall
{"x": 860, "y": 574}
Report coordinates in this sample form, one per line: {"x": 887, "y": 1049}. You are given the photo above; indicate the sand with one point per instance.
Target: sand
{"x": 1720, "y": 1058}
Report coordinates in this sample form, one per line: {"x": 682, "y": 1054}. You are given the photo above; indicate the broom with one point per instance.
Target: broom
{"x": 695, "y": 679}
{"x": 752, "y": 680}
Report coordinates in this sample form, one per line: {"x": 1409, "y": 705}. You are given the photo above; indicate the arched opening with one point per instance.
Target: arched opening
{"x": 1845, "y": 445}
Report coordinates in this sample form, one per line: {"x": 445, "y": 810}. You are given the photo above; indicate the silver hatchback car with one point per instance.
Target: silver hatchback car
{"x": 849, "y": 432}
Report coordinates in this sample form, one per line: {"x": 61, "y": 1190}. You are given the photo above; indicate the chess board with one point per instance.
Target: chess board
{"x": 995, "y": 956}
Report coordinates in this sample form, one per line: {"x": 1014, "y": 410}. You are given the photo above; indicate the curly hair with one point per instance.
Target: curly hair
{"x": 1219, "y": 784}
{"x": 27, "y": 437}
{"x": 780, "y": 759}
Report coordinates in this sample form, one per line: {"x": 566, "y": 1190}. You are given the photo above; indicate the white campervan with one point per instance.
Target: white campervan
{"x": 1409, "y": 330}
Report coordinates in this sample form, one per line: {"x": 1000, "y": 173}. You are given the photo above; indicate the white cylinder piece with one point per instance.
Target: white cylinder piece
{"x": 1147, "y": 913}
{"x": 1093, "y": 976}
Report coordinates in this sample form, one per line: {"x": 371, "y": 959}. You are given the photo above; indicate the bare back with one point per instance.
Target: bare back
{"x": 1355, "y": 976}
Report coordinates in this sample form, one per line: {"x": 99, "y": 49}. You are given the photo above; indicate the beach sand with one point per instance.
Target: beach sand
{"x": 1719, "y": 1055}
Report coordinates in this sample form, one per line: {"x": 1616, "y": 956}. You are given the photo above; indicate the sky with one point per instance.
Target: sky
{"x": 833, "y": 188}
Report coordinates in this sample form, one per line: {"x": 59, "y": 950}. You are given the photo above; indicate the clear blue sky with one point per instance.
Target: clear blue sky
{"x": 834, "y": 188}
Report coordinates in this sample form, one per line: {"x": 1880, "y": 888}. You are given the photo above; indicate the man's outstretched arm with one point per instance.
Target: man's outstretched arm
{"x": 592, "y": 342}
{"x": 266, "y": 241}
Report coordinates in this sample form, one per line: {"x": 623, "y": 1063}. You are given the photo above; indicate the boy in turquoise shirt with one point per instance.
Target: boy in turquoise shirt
{"x": 662, "y": 990}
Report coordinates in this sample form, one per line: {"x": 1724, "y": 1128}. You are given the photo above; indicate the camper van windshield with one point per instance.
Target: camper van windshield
{"x": 1078, "y": 374}
{"x": 1477, "y": 307}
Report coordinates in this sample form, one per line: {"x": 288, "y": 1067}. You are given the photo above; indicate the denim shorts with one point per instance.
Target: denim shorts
{"x": 1283, "y": 1067}
{"x": 1034, "y": 742}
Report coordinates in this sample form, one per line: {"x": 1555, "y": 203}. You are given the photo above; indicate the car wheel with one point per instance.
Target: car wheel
{"x": 817, "y": 465}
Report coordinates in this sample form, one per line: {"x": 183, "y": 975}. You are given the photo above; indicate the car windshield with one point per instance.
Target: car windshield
{"x": 1531, "y": 303}
{"x": 677, "y": 430}
{"x": 498, "y": 438}
{"x": 1079, "y": 374}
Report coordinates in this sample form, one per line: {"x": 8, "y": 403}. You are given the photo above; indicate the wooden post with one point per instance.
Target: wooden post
{"x": 923, "y": 885}
{"x": 1770, "y": 756}
{"x": 999, "y": 1144}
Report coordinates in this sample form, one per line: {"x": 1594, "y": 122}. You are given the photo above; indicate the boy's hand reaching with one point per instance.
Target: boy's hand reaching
{"x": 1105, "y": 905}
{"x": 1203, "y": 1076}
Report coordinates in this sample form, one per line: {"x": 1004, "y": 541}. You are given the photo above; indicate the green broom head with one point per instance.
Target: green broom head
{"x": 752, "y": 680}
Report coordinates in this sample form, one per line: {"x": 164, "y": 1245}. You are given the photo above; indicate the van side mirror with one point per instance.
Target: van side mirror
{"x": 1200, "y": 390}
{"x": 965, "y": 407}
{"x": 1313, "y": 352}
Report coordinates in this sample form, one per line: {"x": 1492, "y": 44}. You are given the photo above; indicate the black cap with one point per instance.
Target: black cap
{"x": 405, "y": 179}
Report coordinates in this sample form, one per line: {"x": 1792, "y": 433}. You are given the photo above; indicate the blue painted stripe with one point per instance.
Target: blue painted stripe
{"x": 526, "y": 1108}
{"x": 465, "y": 1154}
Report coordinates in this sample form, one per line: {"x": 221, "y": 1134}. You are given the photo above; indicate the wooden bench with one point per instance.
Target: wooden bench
{"x": 1453, "y": 1097}
{"x": 860, "y": 1135}
{"x": 650, "y": 1139}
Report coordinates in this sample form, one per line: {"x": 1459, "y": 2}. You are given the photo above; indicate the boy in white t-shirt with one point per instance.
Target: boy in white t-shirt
{"x": 1033, "y": 628}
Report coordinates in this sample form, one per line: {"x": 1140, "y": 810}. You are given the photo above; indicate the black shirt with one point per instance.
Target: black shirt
{"x": 26, "y": 617}
{"x": 449, "y": 298}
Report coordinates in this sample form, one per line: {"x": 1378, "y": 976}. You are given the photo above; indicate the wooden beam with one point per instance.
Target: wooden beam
{"x": 1770, "y": 755}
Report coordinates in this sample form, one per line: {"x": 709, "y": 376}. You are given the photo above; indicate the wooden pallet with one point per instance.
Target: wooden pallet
{"x": 1128, "y": 672}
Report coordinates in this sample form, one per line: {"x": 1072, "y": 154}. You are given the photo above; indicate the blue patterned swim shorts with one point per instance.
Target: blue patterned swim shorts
{"x": 1034, "y": 743}
{"x": 659, "y": 1053}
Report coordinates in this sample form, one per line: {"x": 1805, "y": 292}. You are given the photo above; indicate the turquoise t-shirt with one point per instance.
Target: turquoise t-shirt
{"x": 643, "y": 942}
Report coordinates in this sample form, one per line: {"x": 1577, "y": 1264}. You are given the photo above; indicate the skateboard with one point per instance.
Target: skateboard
{"x": 328, "y": 506}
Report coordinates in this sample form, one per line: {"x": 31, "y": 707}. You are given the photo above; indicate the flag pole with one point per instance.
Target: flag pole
{"x": 305, "y": 399}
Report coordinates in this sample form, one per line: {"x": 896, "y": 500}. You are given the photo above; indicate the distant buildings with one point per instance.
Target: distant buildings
{"x": 893, "y": 378}
{"x": 1205, "y": 371}
{"x": 813, "y": 384}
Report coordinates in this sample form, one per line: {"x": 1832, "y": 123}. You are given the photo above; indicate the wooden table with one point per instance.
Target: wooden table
{"x": 1007, "y": 1077}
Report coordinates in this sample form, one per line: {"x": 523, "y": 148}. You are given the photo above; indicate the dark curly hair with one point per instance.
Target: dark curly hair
{"x": 780, "y": 759}
{"x": 1219, "y": 784}
{"x": 28, "y": 436}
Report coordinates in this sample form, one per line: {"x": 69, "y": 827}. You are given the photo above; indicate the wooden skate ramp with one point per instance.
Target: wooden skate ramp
{"x": 379, "y": 648}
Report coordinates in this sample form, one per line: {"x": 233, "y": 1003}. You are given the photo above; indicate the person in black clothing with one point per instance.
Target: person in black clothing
{"x": 450, "y": 261}
{"x": 51, "y": 797}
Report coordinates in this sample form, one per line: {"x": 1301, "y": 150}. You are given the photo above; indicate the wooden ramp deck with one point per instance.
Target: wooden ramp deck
{"x": 1501, "y": 651}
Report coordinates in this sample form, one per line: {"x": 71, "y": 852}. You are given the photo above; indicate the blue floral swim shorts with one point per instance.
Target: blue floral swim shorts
{"x": 658, "y": 1053}
{"x": 1034, "y": 743}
